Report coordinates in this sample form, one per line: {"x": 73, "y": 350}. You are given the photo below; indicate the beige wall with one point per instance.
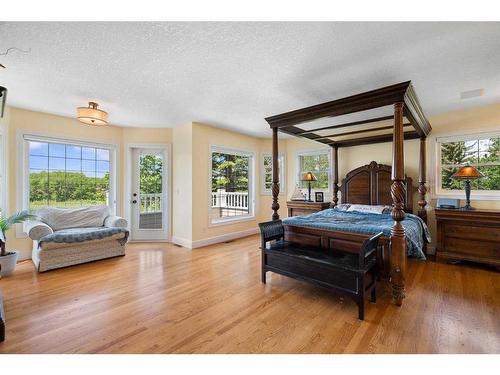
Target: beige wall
{"x": 203, "y": 137}
{"x": 190, "y": 163}
{"x": 182, "y": 172}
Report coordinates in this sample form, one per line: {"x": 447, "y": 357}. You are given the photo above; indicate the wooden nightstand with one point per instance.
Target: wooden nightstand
{"x": 299, "y": 208}
{"x": 468, "y": 235}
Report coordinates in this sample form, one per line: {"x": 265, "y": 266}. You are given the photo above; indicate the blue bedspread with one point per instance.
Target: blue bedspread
{"x": 362, "y": 222}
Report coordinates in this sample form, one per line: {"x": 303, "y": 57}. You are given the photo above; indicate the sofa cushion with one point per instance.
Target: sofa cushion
{"x": 83, "y": 217}
{"x": 85, "y": 234}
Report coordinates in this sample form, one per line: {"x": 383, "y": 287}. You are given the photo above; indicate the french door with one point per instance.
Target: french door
{"x": 149, "y": 205}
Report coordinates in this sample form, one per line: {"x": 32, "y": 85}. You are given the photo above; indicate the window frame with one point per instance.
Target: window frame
{"x": 251, "y": 185}
{"x": 282, "y": 173}
{"x": 23, "y": 190}
{"x": 456, "y": 193}
{"x": 3, "y": 173}
{"x": 328, "y": 192}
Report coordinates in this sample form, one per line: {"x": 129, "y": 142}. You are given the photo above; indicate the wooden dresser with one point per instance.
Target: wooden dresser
{"x": 472, "y": 235}
{"x": 298, "y": 208}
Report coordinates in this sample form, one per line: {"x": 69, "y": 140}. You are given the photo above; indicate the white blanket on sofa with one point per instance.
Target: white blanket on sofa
{"x": 63, "y": 218}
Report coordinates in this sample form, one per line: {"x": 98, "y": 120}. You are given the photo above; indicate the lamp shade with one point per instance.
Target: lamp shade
{"x": 309, "y": 177}
{"x": 91, "y": 115}
{"x": 467, "y": 172}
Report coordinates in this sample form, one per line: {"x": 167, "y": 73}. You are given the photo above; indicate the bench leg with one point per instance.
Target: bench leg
{"x": 2, "y": 330}
{"x": 361, "y": 297}
{"x": 263, "y": 267}
{"x": 373, "y": 296}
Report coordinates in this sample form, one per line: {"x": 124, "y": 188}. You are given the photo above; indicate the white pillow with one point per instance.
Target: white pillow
{"x": 342, "y": 207}
{"x": 367, "y": 208}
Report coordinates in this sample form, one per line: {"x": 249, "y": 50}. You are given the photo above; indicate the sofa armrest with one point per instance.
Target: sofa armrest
{"x": 113, "y": 221}
{"x": 37, "y": 229}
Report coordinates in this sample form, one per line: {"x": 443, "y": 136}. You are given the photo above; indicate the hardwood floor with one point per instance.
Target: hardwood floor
{"x": 164, "y": 299}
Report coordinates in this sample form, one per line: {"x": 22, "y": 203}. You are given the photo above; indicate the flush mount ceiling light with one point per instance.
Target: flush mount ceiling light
{"x": 91, "y": 115}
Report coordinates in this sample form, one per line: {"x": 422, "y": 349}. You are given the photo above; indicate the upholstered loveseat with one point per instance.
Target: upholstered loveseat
{"x": 67, "y": 236}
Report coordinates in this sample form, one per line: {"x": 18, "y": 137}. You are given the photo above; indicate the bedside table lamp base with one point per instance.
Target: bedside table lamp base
{"x": 467, "y": 196}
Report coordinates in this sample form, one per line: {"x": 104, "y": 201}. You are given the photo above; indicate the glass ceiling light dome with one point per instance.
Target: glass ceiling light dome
{"x": 91, "y": 115}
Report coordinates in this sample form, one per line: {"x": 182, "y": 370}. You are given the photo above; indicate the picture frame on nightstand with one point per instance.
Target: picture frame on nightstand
{"x": 319, "y": 197}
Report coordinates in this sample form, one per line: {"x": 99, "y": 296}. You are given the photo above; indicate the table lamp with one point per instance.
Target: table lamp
{"x": 467, "y": 173}
{"x": 309, "y": 177}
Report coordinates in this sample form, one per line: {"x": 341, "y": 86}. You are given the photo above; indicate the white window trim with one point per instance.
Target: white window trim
{"x": 282, "y": 174}
{"x": 436, "y": 161}
{"x": 328, "y": 192}
{"x": 22, "y": 196}
{"x": 251, "y": 185}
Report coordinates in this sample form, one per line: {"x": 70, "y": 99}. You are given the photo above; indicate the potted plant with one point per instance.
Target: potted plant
{"x": 8, "y": 260}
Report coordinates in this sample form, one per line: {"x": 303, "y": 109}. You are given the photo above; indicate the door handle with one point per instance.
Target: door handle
{"x": 134, "y": 201}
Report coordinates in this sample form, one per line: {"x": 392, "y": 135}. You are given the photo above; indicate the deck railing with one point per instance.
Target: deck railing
{"x": 229, "y": 199}
{"x": 151, "y": 203}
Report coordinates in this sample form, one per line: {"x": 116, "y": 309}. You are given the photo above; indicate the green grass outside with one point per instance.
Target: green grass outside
{"x": 34, "y": 205}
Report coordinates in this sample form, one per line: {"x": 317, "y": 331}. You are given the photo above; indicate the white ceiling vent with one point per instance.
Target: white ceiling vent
{"x": 471, "y": 94}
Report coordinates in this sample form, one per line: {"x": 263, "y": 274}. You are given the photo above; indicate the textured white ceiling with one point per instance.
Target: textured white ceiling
{"x": 232, "y": 75}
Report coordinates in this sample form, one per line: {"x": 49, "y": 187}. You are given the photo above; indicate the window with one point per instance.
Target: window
{"x": 267, "y": 173}
{"x": 480, "y": 151}
{"x": 68, "y": 174}
{"x": 231, "y": 191}
{"x": 318, "y": 163}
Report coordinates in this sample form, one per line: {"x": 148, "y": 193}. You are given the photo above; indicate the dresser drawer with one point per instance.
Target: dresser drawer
{"x": 469, "y": 247}
{"x": 301, "y": 211}
{"x": 472, "y": 232}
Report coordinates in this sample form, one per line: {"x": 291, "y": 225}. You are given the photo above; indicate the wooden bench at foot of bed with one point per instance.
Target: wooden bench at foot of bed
{"x": 351, "y": 273}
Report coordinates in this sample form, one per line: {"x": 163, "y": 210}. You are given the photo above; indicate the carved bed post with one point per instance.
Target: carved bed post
{"x": 422, "y": 189}
{"x": 398, "y": 242}
{"x": 276, "y": 183}
{"x": 335, "y": 163}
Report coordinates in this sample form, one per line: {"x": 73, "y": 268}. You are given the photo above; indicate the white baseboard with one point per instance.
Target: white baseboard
{"x": 213, "y": 240}
{"x": 182, "y": 242}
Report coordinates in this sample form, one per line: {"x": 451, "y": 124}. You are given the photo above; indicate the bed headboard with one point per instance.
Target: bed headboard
{"x": 371, "y": 184}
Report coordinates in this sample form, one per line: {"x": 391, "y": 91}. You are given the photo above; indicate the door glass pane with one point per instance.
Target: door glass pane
{"x": 150, "y": 191}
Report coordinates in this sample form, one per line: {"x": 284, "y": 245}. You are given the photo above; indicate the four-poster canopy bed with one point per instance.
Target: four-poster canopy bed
{"x": 391, "y": 113}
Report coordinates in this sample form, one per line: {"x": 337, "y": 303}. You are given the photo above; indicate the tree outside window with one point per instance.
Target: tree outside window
{"x": 230, "y": 185}
{"x": 319, "y": 165}
{"x": 66, "y": 175}
{"x": 483, "y": 153}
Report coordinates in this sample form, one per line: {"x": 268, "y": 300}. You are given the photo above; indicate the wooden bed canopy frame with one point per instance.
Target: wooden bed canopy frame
{"x": 405, "y": 105}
